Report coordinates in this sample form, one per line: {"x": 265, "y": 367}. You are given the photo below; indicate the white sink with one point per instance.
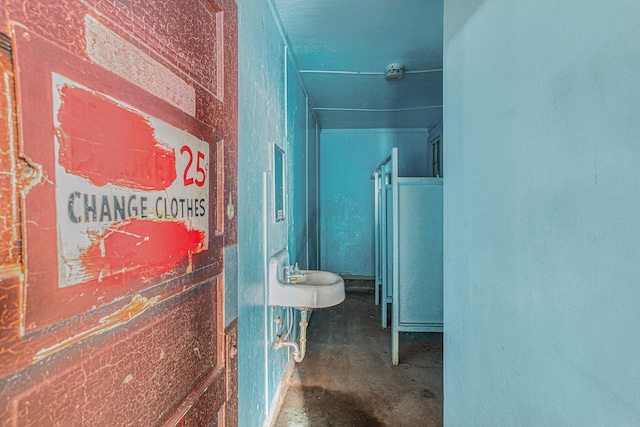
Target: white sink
{"x": 315, "y": 289}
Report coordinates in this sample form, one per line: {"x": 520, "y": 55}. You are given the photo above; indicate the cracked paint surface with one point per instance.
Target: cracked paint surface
{"x": 130, "y": 216}
{"x": 9, "y": 230}
{"x": 162, "y": 365}
{"x": 142, "y": 248}
{"x": 87, "y": 353}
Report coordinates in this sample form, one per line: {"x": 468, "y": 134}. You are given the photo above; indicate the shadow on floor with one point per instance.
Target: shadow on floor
{"x": 322, "y": 407}
{"x": 347, "y": 379}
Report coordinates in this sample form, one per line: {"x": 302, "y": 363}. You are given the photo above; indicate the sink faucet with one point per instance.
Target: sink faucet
{"x": 292, "y": 273}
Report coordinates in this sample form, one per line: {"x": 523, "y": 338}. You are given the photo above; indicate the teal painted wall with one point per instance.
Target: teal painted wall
{"x": 347, "y": 160}
{"x": 542, "y": 214}
{"x": 313, "y": 192}
{"x": 230, "y": 284}
{"x": 262, "y": 122}
{"x": 301, "y": 126}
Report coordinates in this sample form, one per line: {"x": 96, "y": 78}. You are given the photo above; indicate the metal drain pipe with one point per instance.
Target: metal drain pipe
{"x": 298, "y": 351}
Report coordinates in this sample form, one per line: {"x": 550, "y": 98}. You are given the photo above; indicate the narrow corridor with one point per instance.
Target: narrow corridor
{"x": 347, "y": 379}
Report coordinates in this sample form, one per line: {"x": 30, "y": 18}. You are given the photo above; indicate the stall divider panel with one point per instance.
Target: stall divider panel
{"x": 376, "y": 198}
{"x": 409, "y": 251}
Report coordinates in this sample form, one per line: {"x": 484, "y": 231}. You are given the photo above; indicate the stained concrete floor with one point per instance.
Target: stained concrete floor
{"x": 347, "y": 379}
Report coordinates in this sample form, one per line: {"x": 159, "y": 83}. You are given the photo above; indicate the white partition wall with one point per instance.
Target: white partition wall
{"x": 408, "y": 251}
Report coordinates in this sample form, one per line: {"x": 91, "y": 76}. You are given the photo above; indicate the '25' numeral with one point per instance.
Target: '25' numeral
{"x": 200, "y": 173}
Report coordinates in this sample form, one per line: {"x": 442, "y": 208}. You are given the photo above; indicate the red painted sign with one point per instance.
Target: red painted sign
{"x": 122, "y": 202}
{"x": 107, "y": 143}
{"x": 132, "y": 191}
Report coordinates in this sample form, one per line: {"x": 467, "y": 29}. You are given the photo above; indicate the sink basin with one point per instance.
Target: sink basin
{"x": 315, "y": 289}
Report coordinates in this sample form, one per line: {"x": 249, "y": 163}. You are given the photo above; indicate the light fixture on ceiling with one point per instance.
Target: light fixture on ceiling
{"x": 394, "y": 72}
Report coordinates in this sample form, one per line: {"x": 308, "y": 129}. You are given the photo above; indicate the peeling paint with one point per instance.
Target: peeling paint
{"x": 145, "y": 248}
{"x": 111, "y": 51}
{"x": 124, "y": 168}
{"x": 10, "y": 270}
{"x": 9, "y": 219}
{"x": 136, "y": 307}
{"x": 62, "y": 362}
{"x": 215, "y": 375}
{"x": 29, "y": 174}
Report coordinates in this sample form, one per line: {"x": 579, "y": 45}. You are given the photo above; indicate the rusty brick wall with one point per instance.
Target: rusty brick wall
{"x": 152, "y": 348}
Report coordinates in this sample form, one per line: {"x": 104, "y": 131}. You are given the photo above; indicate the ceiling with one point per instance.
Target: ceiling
{"x": 342, "y": 47}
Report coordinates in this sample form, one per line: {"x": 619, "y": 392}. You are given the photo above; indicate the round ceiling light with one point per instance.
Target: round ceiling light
{"x": 394, "y": 72}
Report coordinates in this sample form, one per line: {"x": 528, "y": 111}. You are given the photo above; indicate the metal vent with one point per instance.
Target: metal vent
{"x": 5, "y": 42}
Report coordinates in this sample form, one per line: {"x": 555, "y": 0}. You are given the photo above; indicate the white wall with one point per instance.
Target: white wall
{"x": 542, "y": 213}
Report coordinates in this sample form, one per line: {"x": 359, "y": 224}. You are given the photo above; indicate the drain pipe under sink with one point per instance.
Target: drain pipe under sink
{"x": 298, "y": 351}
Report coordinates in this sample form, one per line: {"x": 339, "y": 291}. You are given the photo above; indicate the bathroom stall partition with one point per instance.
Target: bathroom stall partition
{"x": 408, "y": 250}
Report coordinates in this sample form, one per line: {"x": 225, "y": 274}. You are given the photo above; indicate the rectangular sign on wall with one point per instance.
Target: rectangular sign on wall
{"x": 131, "y": 191}
{"x": 122, "y": 196}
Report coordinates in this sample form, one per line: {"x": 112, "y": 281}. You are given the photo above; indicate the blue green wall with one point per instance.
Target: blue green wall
{"x": 262, "y": 122}
{"x": 302, "y": 136}
{"x": 347, "y": 160}
{"x": 542, "y": 214}
{"x": 313, "y": 193}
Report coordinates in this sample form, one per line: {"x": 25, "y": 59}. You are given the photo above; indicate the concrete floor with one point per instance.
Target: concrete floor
{"x": 347, "y": 379}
